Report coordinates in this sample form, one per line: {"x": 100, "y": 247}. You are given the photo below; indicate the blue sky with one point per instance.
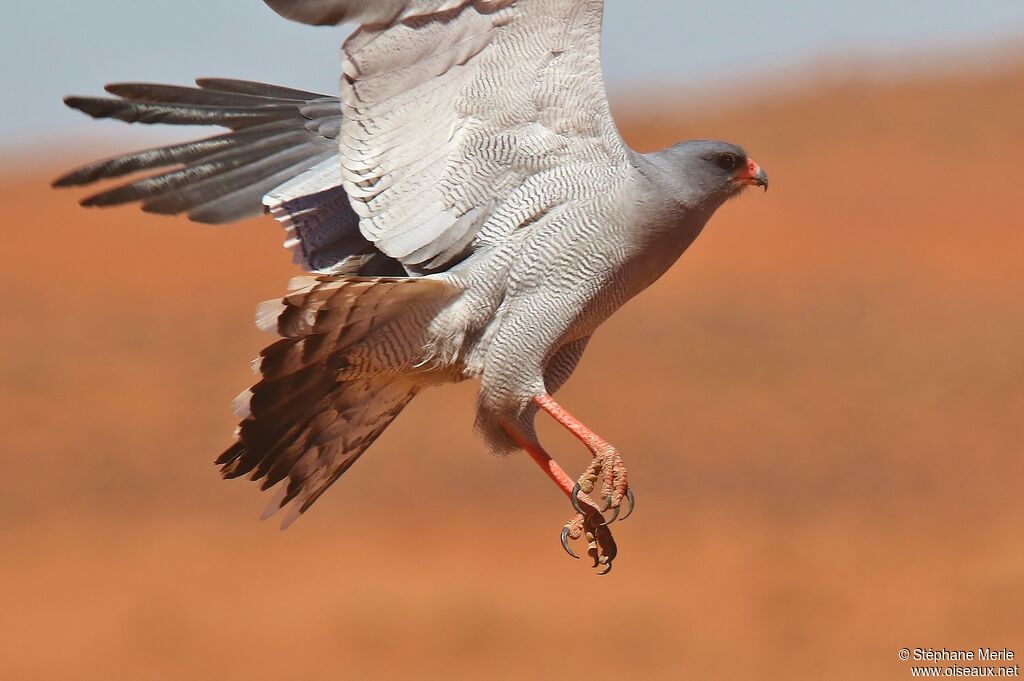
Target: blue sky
{"x": 49, "y": 49}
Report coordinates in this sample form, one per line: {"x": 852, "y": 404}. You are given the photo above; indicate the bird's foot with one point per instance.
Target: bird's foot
{"x": 590, "y": 524}
{"x": 607, "y": 466}
{"x": 589, "y": 521}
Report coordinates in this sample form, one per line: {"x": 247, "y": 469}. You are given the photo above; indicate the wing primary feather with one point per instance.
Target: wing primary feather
{"x": 179, "y": 114}
{"x": 181, "y": 94}
{"x": 160, "y": 157}
{"x": 215, "y": 164}
{"x": 251, "y": 87}
{"x": 266, "y": 171}
{"x": 241, "y": 202}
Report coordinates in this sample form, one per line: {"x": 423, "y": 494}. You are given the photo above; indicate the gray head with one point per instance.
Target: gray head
{"x": 704, "y": 174}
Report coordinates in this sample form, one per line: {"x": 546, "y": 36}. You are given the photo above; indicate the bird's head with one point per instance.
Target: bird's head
{"x": 704, "y": 174}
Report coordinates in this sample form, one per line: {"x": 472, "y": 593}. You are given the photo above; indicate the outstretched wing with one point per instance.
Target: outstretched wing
{"x": 280, "y": 155}
{"x": 462, "y": 121}
{"x": 276, "y": 134}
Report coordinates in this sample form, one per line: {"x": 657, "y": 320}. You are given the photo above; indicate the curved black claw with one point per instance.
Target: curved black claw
{"x": 632, "y": 502}
{"x": 565, "y": 543}
{"x": 607, "y": 504}
{"x": 574, "y": 498}
{"x": 615, "y": 514}
{"x": 590, "y": 525}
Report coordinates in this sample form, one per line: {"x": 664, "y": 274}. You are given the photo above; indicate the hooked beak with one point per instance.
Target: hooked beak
{"x": 752, "y": 174}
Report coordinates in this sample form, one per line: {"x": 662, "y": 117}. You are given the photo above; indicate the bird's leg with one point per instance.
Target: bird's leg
{"x": 588, "y": 521}
{"x": 607, "y": 463}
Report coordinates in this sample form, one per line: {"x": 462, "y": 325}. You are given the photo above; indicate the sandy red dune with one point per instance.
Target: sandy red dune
{"x": 822, "y": 408}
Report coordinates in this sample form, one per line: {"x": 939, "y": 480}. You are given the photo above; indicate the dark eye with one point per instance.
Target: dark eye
{"x": 727, "y": 161}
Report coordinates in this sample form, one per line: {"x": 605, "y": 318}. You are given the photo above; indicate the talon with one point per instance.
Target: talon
{"x": 607, "y": 503}
{"x": 574, "y": 498}
{"x": 592, "y": 550}
{"x": 632, "y": 502}
{"x": 565, "y": 542}
{"x": 615, "y": 514}
{"x": 592, "y": 529}
{"x": 607, "y": 569}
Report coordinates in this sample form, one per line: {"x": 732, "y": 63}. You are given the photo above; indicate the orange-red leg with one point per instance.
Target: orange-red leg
{"x": 588, "y": 521}
{"x": 607, "y": 462}
{"x": 570, "y": 422}
{"x": 544, "y": 460}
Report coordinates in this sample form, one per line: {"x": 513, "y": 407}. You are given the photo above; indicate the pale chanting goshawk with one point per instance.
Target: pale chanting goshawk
{"x": 466, "y": 209}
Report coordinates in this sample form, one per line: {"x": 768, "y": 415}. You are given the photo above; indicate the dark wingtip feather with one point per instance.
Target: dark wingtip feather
{"x": 86, "y": 174}
{"x": 93, "y": 201}
{"x": 141, "y": 91}
{"x": 158, "y": 208}
{"x": 222, "y": 217}
{"x": 255, "y": 88}
{"x": 87, "y": 105}
{"x": 103, "y": 199}
{"x": 66, "y": 180}
{"x": 103, "y": 107}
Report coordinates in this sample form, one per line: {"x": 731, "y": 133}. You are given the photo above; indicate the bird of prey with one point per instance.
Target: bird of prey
{"x": 466, "y": 209}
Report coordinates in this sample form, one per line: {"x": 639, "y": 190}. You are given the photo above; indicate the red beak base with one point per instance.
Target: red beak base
{"x": 752, "y": 175}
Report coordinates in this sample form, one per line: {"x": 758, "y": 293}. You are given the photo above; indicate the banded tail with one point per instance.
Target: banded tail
{"x": 343, "y": 370}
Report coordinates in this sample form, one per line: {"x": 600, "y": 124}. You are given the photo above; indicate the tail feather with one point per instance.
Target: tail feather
{"x": 268, "y": 397}
{"x": 342, "y": 372}
{"x": 322, "y": 316}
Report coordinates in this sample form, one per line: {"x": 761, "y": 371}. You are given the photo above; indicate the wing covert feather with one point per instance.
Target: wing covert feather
{"x": 451, "y": 110}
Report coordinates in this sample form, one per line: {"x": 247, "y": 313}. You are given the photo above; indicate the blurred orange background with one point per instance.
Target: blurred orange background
{"x": 821, "y": 408}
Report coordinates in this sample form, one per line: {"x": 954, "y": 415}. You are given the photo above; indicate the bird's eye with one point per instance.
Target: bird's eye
{"x": 727, "y": 161}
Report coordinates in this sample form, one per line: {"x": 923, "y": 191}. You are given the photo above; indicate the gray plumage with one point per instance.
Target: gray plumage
{"x": 467, "y": 206}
